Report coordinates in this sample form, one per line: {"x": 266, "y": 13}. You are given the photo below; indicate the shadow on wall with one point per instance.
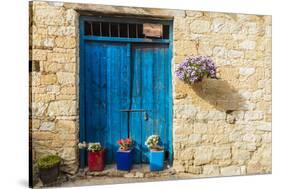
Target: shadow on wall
{"x": 220, "y": 94}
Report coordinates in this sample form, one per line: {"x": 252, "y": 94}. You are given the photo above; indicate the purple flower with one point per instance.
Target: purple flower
{"x": 195, "y": 68}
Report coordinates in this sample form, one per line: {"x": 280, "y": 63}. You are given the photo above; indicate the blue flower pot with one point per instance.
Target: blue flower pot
{"x": 156, "y": 160}
{"x": 124, "y": 160}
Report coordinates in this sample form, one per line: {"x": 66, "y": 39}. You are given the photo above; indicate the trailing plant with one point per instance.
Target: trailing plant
{"x": 48, "y": 161}
{"x": 125, "y": 144}
{"x": 152, "y": 142}
{"x": 194, "y": 68}
{"x": 94, "y": 147}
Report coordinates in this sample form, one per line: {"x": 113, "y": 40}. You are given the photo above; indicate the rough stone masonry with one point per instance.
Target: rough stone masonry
{"x": 220, "y": 127}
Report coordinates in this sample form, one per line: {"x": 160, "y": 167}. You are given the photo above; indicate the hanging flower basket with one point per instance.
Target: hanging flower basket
{"x": 194, "y": 68}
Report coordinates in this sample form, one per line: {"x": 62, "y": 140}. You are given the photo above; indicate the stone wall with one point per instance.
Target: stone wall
{"x": 53, "y": 81}
{"x": 220, "y": 127}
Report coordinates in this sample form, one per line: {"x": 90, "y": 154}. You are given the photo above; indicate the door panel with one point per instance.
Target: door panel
{"x": 149, "y": 86}
{"x": 107, "y": 88}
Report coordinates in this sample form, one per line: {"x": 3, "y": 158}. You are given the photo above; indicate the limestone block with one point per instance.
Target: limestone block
{"x": 222, "y": 153}
{"x": 53, "y": 89}
{"x": 200, "y": 26}
{"x": 66, "y": 126}
{"x": 62, "y": 107}
{"x": 254, "y": 115}
{"x": 47, "y": 126}
{"x": 200, "y": 128}
{"x": 223, "y": 25}
{"x": 68, "y": 90}
{"x": 66, "y": 97}
{"x": 230, "y": 170}
{"x": 70, "y": 15}
{"x": 68, "y": 154}
{"x": 43, "y": 135}
{"x": 38, "y": 108}
{"x": 185, "y": 111}
{"x": 266, "y": 138}
{"x": 235, "y": 54}
{"x": 34, "y": 124}
{"x": 249, "y": 137}
{"x": 219, "y": 51}
{"x": 35, "y": 79}
{"x": 179, "y": 166}
{"x": 194, "y": 169}
{"x": 39, "y": 54}
{"x": 196, "y": 14}
{"x": 52, "y": 67}
{"x": 194, "y": 138}
{"x": 61, "y": 57}
{"x": 70, "y": 67}
{"x": 203, "y": 155}
{"x": 247, "y": 44}
{"x": 245, "y": 71}
{"x": 43, "y": 97}
{"x": 261, "y": 160}
{"x": 264, "y": 127}
{"x": 47, "y": 15}
{"x": 61, "y": 31}
{"x": 65, "y": 78}
{"x": 251, "y": 27}
{"x": 240, "y": 156}
{"x": 245, "y": 94}
{"x": 211, "y": 170}
{"x": 65, "y": 42}
{"x": 48, "y": 79}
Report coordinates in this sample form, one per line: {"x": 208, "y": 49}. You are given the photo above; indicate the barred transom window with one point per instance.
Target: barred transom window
{"x": 123, "y": 30}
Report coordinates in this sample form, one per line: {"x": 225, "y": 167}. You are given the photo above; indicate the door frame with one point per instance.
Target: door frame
{"x": 83, "y": 38}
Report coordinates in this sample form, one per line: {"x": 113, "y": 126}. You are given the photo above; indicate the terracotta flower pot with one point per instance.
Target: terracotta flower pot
{"x": 96, "y": 160}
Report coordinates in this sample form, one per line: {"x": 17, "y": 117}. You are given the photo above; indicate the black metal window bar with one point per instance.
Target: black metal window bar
{"x": 125, "y": 30}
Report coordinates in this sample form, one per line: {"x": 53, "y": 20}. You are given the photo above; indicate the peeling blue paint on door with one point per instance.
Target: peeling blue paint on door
{"x": 118, "y": 75}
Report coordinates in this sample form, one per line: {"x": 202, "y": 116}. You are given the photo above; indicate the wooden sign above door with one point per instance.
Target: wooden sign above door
{"x": 152, "y": 30}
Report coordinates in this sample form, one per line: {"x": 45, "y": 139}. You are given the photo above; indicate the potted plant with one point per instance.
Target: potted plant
{"x": 156, "y": 155}
{"x": 96, "y": 156}
{"x": 194, "y": 68}
{"x": 49, "y": 168}
{"x": 124, "y": 155}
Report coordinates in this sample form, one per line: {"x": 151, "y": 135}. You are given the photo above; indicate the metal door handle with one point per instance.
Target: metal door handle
{"x": 145, "y": 116}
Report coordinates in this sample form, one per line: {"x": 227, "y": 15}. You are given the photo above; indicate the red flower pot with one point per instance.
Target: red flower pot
{"x": 96, "y": 160}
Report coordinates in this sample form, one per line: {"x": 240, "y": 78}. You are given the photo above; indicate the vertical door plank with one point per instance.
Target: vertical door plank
{"x": 147, "y": 96}
{"x": 135, "y": 117}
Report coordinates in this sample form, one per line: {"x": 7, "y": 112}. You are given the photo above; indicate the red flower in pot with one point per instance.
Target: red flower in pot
{"x": 96, "y": 157}
{"x": 125, "y": 144}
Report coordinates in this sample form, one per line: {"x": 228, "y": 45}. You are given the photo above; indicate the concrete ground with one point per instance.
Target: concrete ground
{"x": 139, "y": 173}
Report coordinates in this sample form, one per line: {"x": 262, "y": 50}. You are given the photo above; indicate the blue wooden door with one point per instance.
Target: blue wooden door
{"x": 120, "y": 77}
{"x": 125, "y": 85}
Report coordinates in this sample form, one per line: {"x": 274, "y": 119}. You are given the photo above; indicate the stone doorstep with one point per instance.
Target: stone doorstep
{"x": 138, "y": 171}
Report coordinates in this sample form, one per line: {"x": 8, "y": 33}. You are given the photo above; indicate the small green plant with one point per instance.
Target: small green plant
{"x": 94, "y": 147}
{"x": 152, "y": 143}
{"x": 48, "y": 161}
